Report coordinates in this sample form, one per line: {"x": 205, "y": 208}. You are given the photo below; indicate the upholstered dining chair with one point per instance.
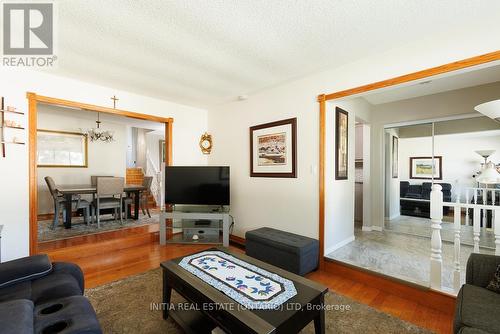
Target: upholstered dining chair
{"x": 146, "y": 182}
{"x": 109, "y": 195}
{"x": 93, "y": 179}
{"x": 60, "y": 203}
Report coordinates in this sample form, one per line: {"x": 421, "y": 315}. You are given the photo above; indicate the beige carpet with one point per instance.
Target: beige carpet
{"x": 125, "y": 307}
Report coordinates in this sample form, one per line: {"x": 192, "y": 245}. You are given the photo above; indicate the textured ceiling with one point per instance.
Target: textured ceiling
{"x": 208, "y": 52}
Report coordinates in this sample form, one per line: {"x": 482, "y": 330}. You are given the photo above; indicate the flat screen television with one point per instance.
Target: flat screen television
{"x": 200, "y": 185}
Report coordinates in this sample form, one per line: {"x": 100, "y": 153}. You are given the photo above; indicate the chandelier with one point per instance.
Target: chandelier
{"x": 96, "y": 134}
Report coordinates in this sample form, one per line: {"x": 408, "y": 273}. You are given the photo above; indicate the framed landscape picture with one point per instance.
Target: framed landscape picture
{"x": 422, "y": 168}
{"x": 341, "y": 144}
{"x": 395, "y": 157}
{"x": 273, "y": 149}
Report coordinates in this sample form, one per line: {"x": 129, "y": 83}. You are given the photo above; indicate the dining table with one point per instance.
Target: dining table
{"x": 68, "y": 191}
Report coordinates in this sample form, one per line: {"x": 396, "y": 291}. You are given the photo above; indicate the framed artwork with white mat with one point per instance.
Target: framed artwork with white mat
{"x": 273, "y": 149}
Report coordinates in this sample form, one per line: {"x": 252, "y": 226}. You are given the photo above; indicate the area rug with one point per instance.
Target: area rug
{"x": 126, "y": 306}
{"x": 79, "y": 227}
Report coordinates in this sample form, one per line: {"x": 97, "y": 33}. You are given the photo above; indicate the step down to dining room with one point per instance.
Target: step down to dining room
{"x": 94, "y": 244}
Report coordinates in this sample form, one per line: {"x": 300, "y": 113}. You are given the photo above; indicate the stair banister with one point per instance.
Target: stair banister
{"x": 457, "y": 212}
{"x": 496, "y": 229}
{"x": 436, "y": 243}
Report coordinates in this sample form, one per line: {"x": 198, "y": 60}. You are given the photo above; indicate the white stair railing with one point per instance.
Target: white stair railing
{"x": 156, "y": 185}
{"x": 480, "y": 208}
{"x": 436, "y": 242}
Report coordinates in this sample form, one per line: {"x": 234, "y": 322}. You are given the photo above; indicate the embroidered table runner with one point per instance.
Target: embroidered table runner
{"x": 249, "y": 285}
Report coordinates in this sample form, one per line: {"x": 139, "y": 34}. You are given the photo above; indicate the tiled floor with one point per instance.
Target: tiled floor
{"x": 422, "y": 227}
{"x": 400, "y": 255}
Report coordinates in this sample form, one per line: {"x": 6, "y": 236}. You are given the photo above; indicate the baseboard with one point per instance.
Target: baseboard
{"x": 394, "y": 216}
{"x": 237, "y": 241}
{"x": 339, "y": 245}
{"x": 366, "y": 228}
{"x": 377, "y": 228}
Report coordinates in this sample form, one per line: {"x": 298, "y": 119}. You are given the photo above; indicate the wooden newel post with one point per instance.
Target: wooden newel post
{"x": 436, "y": 244}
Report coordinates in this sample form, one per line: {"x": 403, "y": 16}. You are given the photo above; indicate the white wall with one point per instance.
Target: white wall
{"x": 189, "y": 124}
{"x": 153, "y": 147}
{"x": 292, "y": 204}
{"x": 339, "y": 194}
{"x": 460, "y": 161}
{"x": 392, "y": 207}
{"x": 103, "y": 158}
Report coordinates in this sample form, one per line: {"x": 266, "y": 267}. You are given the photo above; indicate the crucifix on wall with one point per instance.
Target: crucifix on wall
{"x": 114, "y": 98}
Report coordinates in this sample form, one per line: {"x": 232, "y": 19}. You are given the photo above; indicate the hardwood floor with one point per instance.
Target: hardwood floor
{"x": 111, "y": 256}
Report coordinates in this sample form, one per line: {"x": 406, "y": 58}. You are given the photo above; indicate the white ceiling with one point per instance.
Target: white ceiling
{"x": 203, "y": 53}
{"x": 470, "y": 78}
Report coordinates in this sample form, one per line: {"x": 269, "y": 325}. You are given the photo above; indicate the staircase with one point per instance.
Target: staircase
{"x": 136, "y": 176}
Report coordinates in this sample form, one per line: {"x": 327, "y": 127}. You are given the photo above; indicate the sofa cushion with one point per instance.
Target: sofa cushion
{"x": 54, "y": 286}
{"x": 478, "y": 308}
{"x": 24, "y": 269}
{"x": 494, "y": 284}
{"x": 16, "y": 316}
{"x": 67, "y": 315}
{"x": 16, "y": 291}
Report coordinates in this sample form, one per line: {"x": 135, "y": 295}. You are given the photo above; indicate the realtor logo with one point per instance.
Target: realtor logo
{"x": 28, "y": 30}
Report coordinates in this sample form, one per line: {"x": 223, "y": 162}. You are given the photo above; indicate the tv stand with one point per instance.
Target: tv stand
{"x": 193, "y": 216}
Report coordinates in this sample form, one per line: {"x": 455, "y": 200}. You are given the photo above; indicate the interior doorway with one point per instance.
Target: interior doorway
{"x": 39, "y": 104}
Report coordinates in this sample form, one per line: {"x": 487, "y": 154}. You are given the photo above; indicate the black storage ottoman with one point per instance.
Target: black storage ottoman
{"x": 292, "y": 252}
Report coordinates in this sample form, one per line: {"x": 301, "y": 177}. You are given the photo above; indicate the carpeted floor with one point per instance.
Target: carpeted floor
{"x": 78, "y": 227}
{"x": 125, "y": 307}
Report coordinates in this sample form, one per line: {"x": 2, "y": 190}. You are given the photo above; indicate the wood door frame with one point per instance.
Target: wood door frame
{"x": 323, "y": 98}
{"x": 33, "y": 101}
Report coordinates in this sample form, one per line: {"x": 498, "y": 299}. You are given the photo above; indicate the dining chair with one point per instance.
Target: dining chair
{"x": 60, "y": 203}
{"x": 109, "y": 194}
{"x": 93, "y": 179}
{"x": 146, "y": 182}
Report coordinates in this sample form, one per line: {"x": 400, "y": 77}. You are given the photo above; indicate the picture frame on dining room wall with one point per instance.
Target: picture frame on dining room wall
{"x": 341, "y": 144}
{"x": 422, "y": 168}
{"x": 273, "y": 149}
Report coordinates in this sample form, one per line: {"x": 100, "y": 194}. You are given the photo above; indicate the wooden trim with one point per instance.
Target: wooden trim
{"x": 438, "y": 157}
{"x": 168, "y": 143}
{"x": 85, "y": 164}
{"x": 293, "y": 123}
{"x": 32, "y": 170}
{"x": 322, "y": 143}
{"x": 33, "y": 100}
{"x": 422, "y": 295}
{"x": 92, "y": 107}
{"x": 450, "y": 67}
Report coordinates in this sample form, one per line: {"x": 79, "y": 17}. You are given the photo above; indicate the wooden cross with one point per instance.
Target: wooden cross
{"x": 114, "y": 98}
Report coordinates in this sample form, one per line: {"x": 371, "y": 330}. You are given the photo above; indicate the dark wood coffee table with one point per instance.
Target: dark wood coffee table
{"x": 208, "y": 307}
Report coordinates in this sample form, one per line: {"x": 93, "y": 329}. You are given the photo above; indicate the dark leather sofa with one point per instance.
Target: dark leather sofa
{"x": 477, "y": 309}
{"x": 415, "y": 198}
{"x": 37, "y": 296}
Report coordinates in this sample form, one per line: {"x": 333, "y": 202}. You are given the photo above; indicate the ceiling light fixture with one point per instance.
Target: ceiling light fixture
{"x": 96, "y": 134}
{"x": 490, "y": 109}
